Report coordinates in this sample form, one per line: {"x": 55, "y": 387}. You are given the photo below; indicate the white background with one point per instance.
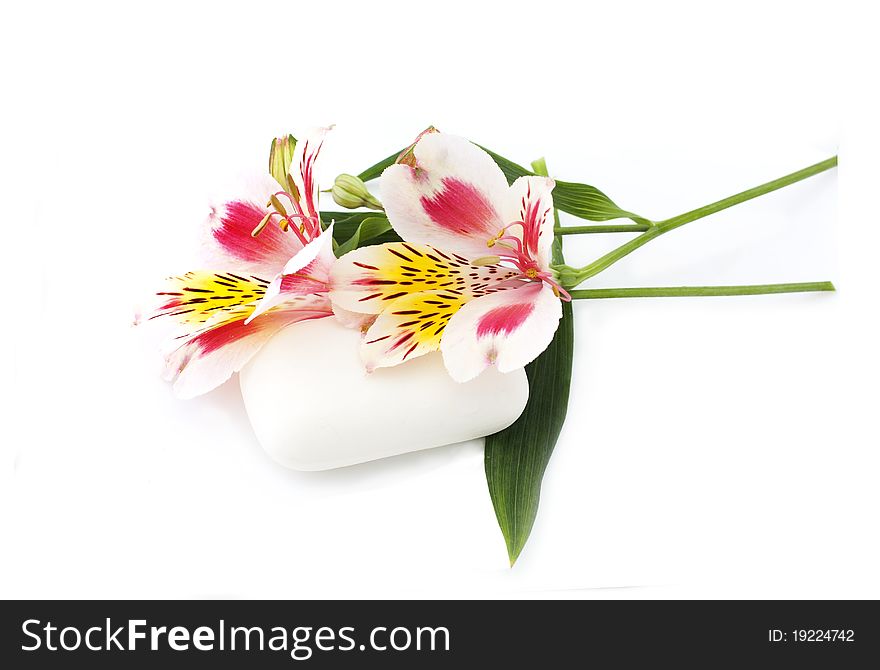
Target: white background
{"x": 715, "y": 447}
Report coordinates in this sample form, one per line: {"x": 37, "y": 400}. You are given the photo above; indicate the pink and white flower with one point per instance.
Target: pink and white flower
{"x": 275, "y": 262}
{"x": 472, "y": 277}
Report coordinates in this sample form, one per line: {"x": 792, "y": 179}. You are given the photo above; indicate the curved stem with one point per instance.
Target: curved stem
{"x": 690, "y": 291}
{"x": 749, "y": 194}
{"x": 571, "y": 277}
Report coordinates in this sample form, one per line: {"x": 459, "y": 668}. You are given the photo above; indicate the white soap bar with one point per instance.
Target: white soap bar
{"x": 313, "y": 406}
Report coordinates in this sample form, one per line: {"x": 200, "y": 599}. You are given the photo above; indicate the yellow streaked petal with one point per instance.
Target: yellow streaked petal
{"x": 366, "y": 279}
{"x": 199, "y": 300}
{"x": 410, "y": 326}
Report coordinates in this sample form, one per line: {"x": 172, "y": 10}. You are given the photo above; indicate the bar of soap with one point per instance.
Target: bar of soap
{"x": 314, "y": 407}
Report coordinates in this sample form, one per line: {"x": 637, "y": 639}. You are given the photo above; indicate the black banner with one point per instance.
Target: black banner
{"x": 436, "y": 634}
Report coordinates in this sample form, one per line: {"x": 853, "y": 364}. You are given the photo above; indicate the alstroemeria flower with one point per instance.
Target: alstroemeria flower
{"x": 272, "y": 276}
{"x": 473, "y": 277}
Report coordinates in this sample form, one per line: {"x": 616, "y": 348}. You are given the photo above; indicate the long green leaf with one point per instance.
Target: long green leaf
{"x": 511, "y": 170}
{"x": 369, "y": 229}
{"x": 588, "y": 202}
{"x": 347, "y": 224}
{"x": 376, "y": 170}
{"x": 345, "y": 217}
{"x": 515, "y": 458}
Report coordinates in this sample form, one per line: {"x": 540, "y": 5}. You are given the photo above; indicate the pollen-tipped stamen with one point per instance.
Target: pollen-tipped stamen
{"x": 558, "y": 291}
{"x": 276, "y": 203}
{"x": 263, "y": 223}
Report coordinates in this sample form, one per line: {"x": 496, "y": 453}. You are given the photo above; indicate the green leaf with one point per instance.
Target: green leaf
{"x": 511, "y": 170}
{"x": 515, "y": 458}
{"x": 588, "y": 202}
{"x": 368, "y": 229}
{"x": 347, "y": 223}
{"x": 376, "y": 170}
{"x": 345, "y": 218}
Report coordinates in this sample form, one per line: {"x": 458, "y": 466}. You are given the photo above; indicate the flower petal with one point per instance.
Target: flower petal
{"x": 208, "y": 359}
{"x": 353, "y": 319}
{"x": 229, "y": 242}
{"x": 530, "y": 201}
{"x": 308, "y": 272}
{"x": 211, "y": 339}
{"x": 409, "y": 327}
{"x": 450, "y": 199}
{"x": 367, "y": 279}
{"x": 200, "y": 300}
{"x": 507, "y": 328}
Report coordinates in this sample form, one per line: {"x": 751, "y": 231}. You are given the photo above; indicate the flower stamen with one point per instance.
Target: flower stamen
{"x": 520, "y": 251}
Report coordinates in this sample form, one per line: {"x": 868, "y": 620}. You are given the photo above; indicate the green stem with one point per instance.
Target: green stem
{"x": 571, "y": 277}
{"x": 688, "y": 291}
{"x": 611, "y": 228}
{"x": 539, "y": 167}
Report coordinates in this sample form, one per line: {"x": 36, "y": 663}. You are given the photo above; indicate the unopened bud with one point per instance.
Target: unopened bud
{"x": 280, "y": 158}
{"x": 566, "y": 276}
{"x": 351, "y": 192}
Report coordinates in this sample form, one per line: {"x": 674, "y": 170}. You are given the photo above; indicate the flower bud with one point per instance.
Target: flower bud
{"x": 567, "y": 276}
{"x": 351, "y": 192}
{"x": 280, "y": 157}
